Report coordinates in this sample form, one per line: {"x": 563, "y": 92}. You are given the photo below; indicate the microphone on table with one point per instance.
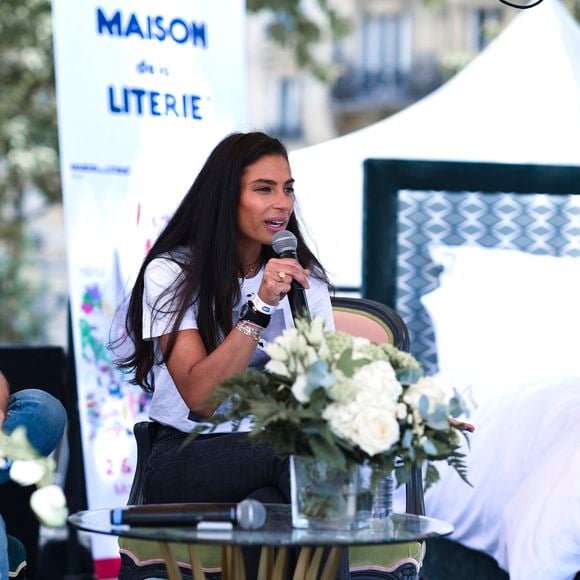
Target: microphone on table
{"x": 249, "y": 514}
{"x": 285, "y": 244}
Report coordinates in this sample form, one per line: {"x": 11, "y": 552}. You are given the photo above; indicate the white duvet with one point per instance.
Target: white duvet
{"x": 507, "y": 330}
{"x": 524, "y": 464}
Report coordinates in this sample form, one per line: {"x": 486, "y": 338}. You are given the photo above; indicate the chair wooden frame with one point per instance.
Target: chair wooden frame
{"x": 382, "y": 321}
{"x": 379, "y": 317}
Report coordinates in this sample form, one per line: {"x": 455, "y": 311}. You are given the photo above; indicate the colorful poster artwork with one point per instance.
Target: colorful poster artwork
{"x": 145, "y": 89}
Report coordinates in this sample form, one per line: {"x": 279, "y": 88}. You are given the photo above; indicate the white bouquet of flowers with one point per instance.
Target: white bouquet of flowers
{"x": 28, "y": 467}
{"x": 343, "y": 399}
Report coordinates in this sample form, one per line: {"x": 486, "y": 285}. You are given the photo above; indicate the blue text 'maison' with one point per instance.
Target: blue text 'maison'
{"x": 152, "y": 28}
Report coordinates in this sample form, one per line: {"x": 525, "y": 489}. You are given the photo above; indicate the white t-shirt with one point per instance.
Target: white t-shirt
{"x": 167, "y": 406}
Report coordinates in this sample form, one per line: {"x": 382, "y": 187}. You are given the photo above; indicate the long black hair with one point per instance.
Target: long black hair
{"x": 205, "y": 226}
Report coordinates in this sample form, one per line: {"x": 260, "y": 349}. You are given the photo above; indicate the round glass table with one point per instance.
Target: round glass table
{"x": 275, "y": 537}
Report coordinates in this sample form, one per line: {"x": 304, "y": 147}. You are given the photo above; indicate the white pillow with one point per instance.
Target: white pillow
{"x": 504, "y": 317}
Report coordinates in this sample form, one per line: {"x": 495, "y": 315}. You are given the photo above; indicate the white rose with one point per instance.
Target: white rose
{"x": 373, "y": 429}
{"x": 377, "y": 430}
{"x": 340, "y": 419}
{"x": 378, "y": 383}
{"x": 49, "y": 504}
{"x": 27, "y": 472}
{"x": 427, "y": 387}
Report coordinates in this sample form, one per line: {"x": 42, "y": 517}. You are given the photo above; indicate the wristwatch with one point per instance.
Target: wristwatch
{"x": 249, "y": 312}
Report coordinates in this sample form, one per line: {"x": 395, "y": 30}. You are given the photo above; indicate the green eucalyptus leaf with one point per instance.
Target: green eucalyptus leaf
{"x": 407, "y": 439}
{"x": 438, "y": 425}
{"x": 429, "y": 447}
{"x": 457, "y": 406}
{"x": 344, "y": 362}
{"x": 424, "y": 407}
{"x": 409, "y": 376}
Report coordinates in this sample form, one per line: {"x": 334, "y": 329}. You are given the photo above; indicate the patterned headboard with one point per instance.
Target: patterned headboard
{"x": 410, "y": 205}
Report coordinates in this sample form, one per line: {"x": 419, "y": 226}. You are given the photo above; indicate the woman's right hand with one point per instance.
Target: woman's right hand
{"x": 277, "y": 279}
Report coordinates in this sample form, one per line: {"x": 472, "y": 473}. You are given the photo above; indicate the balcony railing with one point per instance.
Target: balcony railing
{"x": 383, "y": 85}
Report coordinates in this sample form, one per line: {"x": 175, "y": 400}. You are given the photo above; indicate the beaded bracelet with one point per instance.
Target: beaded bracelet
{"x": 249, "y": 329}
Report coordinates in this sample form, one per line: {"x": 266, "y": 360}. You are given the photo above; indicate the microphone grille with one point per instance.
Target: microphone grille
{"x": 284, "y": 241}
{"x": 250, "y": 514}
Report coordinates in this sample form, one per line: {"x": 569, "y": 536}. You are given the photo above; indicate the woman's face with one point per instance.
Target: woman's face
{"x": 266, "y": 201}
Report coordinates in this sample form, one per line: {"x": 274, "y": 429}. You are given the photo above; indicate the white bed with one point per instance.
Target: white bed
{"x": 507, "y": 328}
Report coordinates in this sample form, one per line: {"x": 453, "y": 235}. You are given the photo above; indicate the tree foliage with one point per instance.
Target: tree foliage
{"x": 301, "y": 30}
{"x": 28, "y": 154}
{"x": 28, "y": 131}
{"x": 28, "y": 127}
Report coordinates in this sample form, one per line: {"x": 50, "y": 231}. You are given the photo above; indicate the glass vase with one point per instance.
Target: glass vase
{"x": 323, "y": 496}
{"x": 364, "y": 497}
{"x": 383, "y": 497}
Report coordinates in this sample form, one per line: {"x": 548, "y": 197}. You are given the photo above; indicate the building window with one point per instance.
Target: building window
{"x": 385, "y": 49}
{"x": 287, "y": 122}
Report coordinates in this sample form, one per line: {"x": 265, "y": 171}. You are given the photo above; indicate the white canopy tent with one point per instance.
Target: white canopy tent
{"x": 518, "y": 102}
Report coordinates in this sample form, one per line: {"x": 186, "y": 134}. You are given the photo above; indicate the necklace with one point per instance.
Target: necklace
{"x": 251, "y": 269}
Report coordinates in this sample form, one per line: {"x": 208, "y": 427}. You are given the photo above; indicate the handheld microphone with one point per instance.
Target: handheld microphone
{"x": 249, "y": 514}
{"x": 285, "y": 244}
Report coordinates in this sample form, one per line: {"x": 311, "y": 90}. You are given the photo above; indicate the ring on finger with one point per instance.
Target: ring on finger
{"x": 282, "y": 276}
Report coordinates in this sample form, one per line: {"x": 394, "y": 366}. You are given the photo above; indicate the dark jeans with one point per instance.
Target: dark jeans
{"x": 213, "y": 468}
{"x": 217, "y": 468}
{"x": 44, "y": 419}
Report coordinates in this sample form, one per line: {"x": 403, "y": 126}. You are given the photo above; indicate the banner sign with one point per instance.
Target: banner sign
{"x": 145, "y": 90}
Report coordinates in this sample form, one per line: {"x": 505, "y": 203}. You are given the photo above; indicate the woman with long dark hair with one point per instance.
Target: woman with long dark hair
{"x": 208, "y": 296}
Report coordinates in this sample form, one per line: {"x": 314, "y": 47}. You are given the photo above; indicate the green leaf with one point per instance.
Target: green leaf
{"x": 439, "y": 418}
{"x": 431, "y": 476}
{"x": 347, "y": 365}
{"x": 319, "y": 375}
{"x": 457, "y": 406}
{"x": 429, "y": 447}
{"x": 403, "y": 474}
{"x": 323, "y": 449}
{"x": 344, "y": 362}
{"x": 407, "y": 439}
{"x": 424, "y": 407}
{"x": 409, "y": 377}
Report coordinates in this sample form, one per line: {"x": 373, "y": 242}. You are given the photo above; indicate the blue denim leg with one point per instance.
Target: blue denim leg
{"x": 43, "y": 416}
{"x": 3, "y": 551}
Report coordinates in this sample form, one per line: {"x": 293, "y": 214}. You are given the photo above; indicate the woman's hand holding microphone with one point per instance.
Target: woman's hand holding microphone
{"x": 278, "y": 276}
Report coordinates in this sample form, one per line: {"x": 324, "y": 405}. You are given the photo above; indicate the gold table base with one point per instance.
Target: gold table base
{"x": 272, "y": 563}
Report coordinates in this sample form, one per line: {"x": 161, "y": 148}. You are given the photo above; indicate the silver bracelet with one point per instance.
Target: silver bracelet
{"x": 249, "y": 329}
